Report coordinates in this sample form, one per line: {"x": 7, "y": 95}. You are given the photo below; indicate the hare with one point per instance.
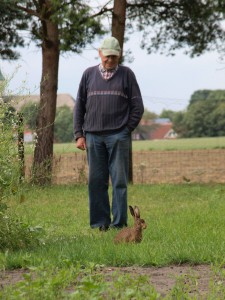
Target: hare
{"x": 134, "y": 234}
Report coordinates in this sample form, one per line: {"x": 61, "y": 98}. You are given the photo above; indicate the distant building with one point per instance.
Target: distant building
{"x": 19, "y": 101}
{"x": 163, "y": 131}
{"x": 28, "y": 136}
{"x": 157, "y": 129}
{"x": 162, "y": 121}
{"x": 62, "y": 100}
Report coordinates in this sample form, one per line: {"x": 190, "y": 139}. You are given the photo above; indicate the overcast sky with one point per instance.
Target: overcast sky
{"x": 165, "y": 82}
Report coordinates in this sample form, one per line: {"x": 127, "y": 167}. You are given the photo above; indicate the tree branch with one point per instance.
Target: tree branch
{"x": 29, "y": 11}
{"x": 103, "y": 10}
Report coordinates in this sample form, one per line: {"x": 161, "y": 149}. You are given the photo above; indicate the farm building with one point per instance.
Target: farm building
{"x": 156, "y": 129}
{"x": 19, "y": 101}
{"x": 62, "y": 100}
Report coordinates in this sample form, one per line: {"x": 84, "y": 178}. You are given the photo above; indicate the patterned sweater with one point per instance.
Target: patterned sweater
{"x": 104, "y": 106}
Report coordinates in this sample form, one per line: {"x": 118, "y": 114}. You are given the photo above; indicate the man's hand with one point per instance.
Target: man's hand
{"x": 81, "y": 143}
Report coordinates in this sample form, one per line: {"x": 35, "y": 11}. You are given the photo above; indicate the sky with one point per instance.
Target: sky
{"x": 165, "y": 82}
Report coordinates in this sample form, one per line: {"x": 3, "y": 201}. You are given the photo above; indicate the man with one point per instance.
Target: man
{"x": 108, "y": 107}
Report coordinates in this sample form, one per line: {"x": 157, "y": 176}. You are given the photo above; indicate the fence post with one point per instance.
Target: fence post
{"x": 21, "y": 146}
{"x": 131, "y": 162}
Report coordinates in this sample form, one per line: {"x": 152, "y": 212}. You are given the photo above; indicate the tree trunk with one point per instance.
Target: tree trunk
{"x": 118, "y": 31}
{"x": 43, "y": 154}
{"x": 118, "y": 21}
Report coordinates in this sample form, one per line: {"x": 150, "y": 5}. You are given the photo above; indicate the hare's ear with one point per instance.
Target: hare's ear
{"x": 131, "y": 210}
{"x": 136, "y": 212}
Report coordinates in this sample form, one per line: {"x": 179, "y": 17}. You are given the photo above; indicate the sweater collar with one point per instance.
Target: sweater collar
{"x": 103, "y": 70}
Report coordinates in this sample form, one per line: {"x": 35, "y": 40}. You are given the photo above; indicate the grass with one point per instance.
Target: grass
{"x": 185, "y": 225}
{"x": 149, "y": 145}
{"x": 180, "y": 144}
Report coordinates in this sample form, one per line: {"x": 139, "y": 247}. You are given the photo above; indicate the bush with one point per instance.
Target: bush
{"x": 9, "y": 159}
{"x": 14, "y": 233}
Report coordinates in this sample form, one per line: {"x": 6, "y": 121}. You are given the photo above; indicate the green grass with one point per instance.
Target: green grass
{"x": 180, "y": 144}
{"x": 185, "y": 225}
{"x": 177, "y": 144}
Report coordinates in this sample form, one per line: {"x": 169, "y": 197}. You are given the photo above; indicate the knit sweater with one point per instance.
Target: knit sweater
{"x": 104, "y": 106}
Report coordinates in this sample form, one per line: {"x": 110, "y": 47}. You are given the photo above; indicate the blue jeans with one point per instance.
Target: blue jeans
{"x": 108, "y": 157}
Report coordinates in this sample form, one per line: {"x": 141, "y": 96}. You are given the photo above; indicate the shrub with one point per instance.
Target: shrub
{"x": 14, "y": 233}
{"x": 9, "y": 159}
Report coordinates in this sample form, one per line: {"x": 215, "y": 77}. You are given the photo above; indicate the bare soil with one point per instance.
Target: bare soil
{"x": 163, "y": 279}
{"x": 149, "y": 167}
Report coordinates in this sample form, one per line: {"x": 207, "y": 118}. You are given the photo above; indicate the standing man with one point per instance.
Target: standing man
{"x": 108, "y": 107}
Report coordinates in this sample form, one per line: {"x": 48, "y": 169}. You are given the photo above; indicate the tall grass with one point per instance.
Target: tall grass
{"x": 14, "y": 233}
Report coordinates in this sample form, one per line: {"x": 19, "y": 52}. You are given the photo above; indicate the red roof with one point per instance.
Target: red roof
{"x": 161, "y": 131}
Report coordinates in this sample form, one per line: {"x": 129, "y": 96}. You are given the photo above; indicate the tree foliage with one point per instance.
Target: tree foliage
{"x": 56, "y": 26}
{"x": 167, "y": 113}
{"x": 205, "y": 115}
{"x": 30, "y": 112}
{"x": 23, "y": 20}
{"x": 68, "y": 25}
{"x": 178, "y": 123}
{"x": 13, "y": 22}
{"x": 64, "y": 125}
{"x": 168, "y": 25}
{"x": 148, "y": 115}
{"x": 213, "y": 95}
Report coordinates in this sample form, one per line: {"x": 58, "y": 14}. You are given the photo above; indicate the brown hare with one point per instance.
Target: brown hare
{"x": 132, "y": 234}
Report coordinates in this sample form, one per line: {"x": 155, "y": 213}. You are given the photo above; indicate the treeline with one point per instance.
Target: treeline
{"x": 204, "y": 116}
{"x": 59, "y": 27}
{"x": 63, "y": 125}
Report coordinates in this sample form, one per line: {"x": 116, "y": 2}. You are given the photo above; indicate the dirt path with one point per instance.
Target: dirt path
{"x": 163, "y": 279}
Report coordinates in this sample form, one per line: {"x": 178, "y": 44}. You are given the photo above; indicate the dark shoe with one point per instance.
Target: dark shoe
{"x": 104, "y": 228}
{"x": 118, "y": 226}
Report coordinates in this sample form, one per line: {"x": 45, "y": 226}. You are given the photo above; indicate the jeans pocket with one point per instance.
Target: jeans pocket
{"x": 127, "y": 130}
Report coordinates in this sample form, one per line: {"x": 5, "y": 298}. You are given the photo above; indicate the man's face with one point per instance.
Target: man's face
{"x": 110, "y": 61}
